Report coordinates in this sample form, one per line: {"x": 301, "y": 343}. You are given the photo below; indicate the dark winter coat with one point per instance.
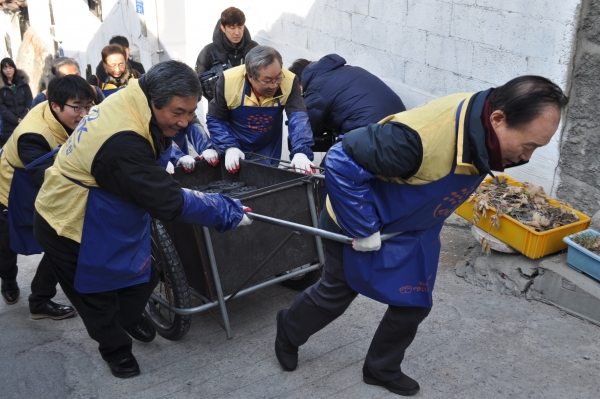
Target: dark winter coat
{"x": 340, "y": 98}
{"x": 14, "y": 106}
{"x": 223, "y": 50}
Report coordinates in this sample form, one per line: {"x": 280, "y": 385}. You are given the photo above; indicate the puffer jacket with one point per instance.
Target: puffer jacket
{"x": 14, "y": 105}
{"x": 340, "y": 98}
{"x": 223, "y": 50}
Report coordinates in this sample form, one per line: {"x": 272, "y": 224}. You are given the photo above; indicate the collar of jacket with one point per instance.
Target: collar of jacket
{"x": 155, "y": 130}
{"x": 474, "y": 150}
{"x": 22, "y": 78}
{"x": 324, "y": 65}
{"x": 250, "y": 93}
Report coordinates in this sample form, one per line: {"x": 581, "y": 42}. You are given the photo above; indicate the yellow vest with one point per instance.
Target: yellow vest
{"x": 60, "y": 201}
{"x": 39, "y": 120}
{"x": 435, "y": 122}
{"x": 234, "y": 89}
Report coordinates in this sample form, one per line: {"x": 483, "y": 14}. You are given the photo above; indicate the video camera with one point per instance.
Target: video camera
{"x": 209, "y": 78}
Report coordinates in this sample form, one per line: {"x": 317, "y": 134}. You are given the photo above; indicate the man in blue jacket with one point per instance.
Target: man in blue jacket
{"x": 406, "y": 175}
{"x": 340, "y": 98}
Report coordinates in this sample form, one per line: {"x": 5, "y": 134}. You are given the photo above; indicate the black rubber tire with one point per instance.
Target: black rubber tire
{"x": 172, "y": 287}
{"x": 303, "y": 281}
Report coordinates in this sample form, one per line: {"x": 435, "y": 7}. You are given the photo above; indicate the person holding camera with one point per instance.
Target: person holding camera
{"x": 231, "y": 42}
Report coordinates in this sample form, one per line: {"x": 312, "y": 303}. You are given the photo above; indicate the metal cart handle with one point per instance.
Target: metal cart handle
{"x": 311, "y": 230}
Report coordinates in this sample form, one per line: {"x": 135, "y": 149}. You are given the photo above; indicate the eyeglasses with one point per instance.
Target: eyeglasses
{"x": 120, "y": 65}
{"x": 275, "y": 82}
{"x": 78, "y": 108}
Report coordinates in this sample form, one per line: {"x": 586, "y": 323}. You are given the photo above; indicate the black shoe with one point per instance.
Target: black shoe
{"x": 403, "y": 385}
{"x": 125, "y": 367}
{"x": 287, "y": 354}
{"x": 51, "y": 310}
{"x": 10, "y": 291}
{"x": 142, "y": 330}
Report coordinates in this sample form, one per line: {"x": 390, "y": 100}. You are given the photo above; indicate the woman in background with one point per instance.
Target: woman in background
{"x": 15, "y": 97}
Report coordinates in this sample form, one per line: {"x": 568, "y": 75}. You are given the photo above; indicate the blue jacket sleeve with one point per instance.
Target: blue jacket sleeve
{"x": 348, "y": 188}
{"x": 38, "y": 99}
{"x": 198, "y": 138}
{"x": 300, "y": 133}
{"x": 221, "y": 135}
{"x": 212, "y": 210}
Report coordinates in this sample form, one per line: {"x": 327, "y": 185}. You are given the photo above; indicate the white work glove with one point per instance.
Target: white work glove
{"x": 246, "y": 221}
{"x": 232, "y": 159}
{"x": 211, "y": 156}
{"x": 371, "y": 243}
{"x": 170, "y": 168}
{"x": 302, "y": 164}
{"x": 188, "y": 163}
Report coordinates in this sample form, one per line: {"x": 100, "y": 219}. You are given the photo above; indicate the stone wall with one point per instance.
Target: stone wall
{"x": 580, "y": 152}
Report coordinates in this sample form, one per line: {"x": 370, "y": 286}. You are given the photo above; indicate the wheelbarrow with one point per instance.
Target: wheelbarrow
{"x": 196, "y": 262}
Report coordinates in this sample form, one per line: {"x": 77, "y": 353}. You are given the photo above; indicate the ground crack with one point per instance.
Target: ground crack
{"x": 530, "y": 279}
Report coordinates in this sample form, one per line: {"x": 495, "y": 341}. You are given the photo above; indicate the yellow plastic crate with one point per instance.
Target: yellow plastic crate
{"x": 523, "y": 238}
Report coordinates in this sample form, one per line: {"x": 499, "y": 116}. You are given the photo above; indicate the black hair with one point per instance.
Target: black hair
{"x": 69, "y": 87}
{"x": 298, "y": 67}
{"x": 168, "y": 79}
{"x": 120, "y": 40}
{"x": 232, "y": 16}
{"x": 525, "y": 98}
{"x": 8, "y": 61}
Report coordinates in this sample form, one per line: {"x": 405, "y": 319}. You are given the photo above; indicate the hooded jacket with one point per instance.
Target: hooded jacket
{"x": 223, "y": 50}
{"x": 14, "y": 105}
{"x": 340, "y": 98}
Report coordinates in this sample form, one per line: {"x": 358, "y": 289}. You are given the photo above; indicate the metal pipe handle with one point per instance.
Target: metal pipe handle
{"x": 310, "y": 230}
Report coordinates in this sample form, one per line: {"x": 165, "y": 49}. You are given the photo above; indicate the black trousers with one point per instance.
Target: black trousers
{"x": 105, "y": 314}
{"x": 328, "y": 299}
{"x": 43, "y": 285}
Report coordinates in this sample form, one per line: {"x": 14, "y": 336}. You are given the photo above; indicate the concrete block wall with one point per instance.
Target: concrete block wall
{"x": 579, "y": 166}
{"x": 426, "y": 48}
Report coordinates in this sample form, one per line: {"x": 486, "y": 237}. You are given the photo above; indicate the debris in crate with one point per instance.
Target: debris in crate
{"x": 242, "y": 190}
{"x": 527, "y": 204}
{"x": 587, "y": 241}
{"x": 232, "y": 185}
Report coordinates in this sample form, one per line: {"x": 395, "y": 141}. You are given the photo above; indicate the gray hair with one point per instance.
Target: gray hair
{"x": 169, "y": 79}
{"x": 259, "y": 57}
{"x": 62, "y": 61}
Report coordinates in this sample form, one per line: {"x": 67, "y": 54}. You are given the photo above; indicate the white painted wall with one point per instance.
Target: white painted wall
{"x": 421, "y": 48}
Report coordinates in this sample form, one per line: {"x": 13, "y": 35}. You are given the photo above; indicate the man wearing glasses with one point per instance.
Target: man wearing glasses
{"x": 25, "y": 157}
{"x": 246, "y": 114}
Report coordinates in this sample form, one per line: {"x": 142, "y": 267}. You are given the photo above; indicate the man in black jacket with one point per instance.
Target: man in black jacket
{"x": 231, "y": 42}
{"x": 92, "y": 214}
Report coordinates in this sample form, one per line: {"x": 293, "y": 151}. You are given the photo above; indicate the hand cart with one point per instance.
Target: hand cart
{"x": 197, "y": 261}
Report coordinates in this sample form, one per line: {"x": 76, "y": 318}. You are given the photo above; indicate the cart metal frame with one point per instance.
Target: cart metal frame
{"x": 221, "y": 299}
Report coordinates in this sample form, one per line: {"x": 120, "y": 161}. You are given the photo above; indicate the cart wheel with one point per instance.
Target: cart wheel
{"x": 172, "y": 287}
{"x": 303, "y": 281}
